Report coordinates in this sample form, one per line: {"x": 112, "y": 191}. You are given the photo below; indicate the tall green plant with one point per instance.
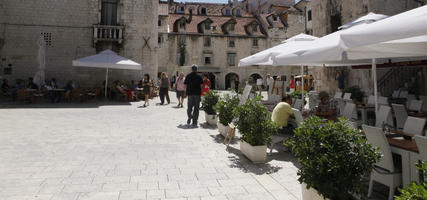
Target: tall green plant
{"x": 333, "y": 157}
{"x": 209, "y": 102}
{"x": 225, "y": 107}
{"x": 254, "y": 122}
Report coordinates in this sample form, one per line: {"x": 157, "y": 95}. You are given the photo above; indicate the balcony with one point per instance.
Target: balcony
{"x": 108, "y": 33}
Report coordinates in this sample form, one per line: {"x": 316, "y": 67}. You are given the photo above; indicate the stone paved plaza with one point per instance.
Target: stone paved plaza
{"x": 123, "y": 151}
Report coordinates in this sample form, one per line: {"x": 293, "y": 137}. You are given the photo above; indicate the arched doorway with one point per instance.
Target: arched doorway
{"x": 229, "y": 80}
{"x": 211, "y": 77}
{"x": 253, "y": 78}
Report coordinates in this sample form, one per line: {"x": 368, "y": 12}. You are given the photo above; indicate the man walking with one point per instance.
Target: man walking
{"x": 193, "y": 89}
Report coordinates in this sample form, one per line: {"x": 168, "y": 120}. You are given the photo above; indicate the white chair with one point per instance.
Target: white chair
{"x": 293, "y": 101}
{"x": 403, "y": 94}
{"x": 383, "y": 116}
{"x": 383, "y": 101}
{"x": 409, "y": 98}
{"x": 349, "y": 110}
{"x": 424, "y": 99}
{"x": 352, "y": 124}
{"x": 371, "y": 100}
{"x": 421, "y": 142}
{"x": 395, "y": 94}
{"x": 414, "y": 125}
{"x": 338, "y": 95}
{"x": 298, "y": 104}
{"x": 298, "y": 117}
{"x": 400, "y": 114}
{"x": 347, "y": 97}
{"x": 415, "y": 105}
{"x": 384, "y": 171}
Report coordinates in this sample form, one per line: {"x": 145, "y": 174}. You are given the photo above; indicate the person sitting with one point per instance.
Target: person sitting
{"x": 120, "y": 88}
{"x": 17, "y": 86}
{"x": 68, "y": 89}
{"x": 326, "y": 108}
{"x": 281, "y": 115}
{"x": 49, "y": 88}
{"x": 133, "y": 85}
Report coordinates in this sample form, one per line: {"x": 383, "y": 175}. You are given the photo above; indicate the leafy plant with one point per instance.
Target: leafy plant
{"x": 225, "y": 107}
{"x": 333, "y": 157}
{"x": 210, "y": 100}
{"x": 297, "y": 94}
{"x": 415, "y": 190}
{"x": 254, "y": 122}
{"x": 356, "y": 93}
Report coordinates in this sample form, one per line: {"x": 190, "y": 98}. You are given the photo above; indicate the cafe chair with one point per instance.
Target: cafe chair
{"x": 409, "y": 98}
{"x": 384, "y": 117}
{"x": 371, "y": 100}
{"x": 338, "y": 95}
{"x": 298, "y": 117}
{"x": 383, "y": 101}
{"x": 415, "y": 105}
{"x": 421, "y": 142}
{"x": 352, "y": 124}
{"x": 403, "y": 94}
{"x": 347, "y": 97}
{"x": 349, "y": 111}
{"x": 414, "y": 125}
{"x": 384, "y": 171}
{"x": 400, "y": 114}
{"x": 424, "y": 99}
{"x": 293, "y": 101}
{"x": 298, "y": 104}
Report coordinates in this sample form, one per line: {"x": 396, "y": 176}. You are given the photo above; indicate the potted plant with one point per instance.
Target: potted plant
{"x": 333, "y": 158}
{"x": 225, "y": 107}
{"x": 208, "y": 104}
{"x": 415, "y": 190}
{"x": 255, "y": 126}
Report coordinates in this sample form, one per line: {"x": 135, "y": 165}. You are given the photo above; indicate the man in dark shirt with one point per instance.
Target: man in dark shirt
{"x": 193, "y": 89}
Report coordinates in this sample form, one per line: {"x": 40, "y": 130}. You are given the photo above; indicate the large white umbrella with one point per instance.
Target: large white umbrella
{"x": 109, "y": 60}
{"x": 402, "y": 42}
{"x": 39, "y": 77}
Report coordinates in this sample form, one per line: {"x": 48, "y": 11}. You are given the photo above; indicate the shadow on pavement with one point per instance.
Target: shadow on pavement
{"x": 207, "y": 126}
{"x": 220, "y": 139}
{"x": 241, "y": 162}
{"x": 186, "y": 126}
{"x": 94, "y": 104}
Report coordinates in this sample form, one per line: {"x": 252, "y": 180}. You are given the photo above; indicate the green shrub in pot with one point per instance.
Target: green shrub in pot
{"x": 209, "y": 102}
{"x": 333, "y": 157}
{"x": 254, "y": 122}
{"x": 415, "y": 190}
{"x": 225, "y": 107}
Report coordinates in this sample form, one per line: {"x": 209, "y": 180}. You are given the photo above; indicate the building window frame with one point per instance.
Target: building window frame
{"x": 231, "y": 58}
{"x": 207, "y": 58}
{"x": 255, "y": 42}
{"x": 231, "y": 43}
{"x": 309, "y": 17}
{"x": 207, "y": 41}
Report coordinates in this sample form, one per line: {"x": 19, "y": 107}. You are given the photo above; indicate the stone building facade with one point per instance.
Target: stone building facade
{"x": 74, "y": 29}
{"x": 328, "y": 15}
{"x": 216, "y": 36}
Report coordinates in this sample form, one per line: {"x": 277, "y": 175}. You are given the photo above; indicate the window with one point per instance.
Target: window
{"x": 214, "y": 28}
{"x": 231, "y": 43}
{"x": 275, "y": 18}
{"x": 159, "y": 22}
{"x": 238, "y": 14}
{"x": 182, "y": 24}
{"x": 255, "y": 42}
{"x": 255, "y": 28}
{"x": 207, "y": 42}
{"x": 7, "y": 70}
{"x": 47, "y": 37}
{"x": 309, "y": 15}
{"x": 207, "y": 58}
{"x": 231, "y": 27}
{"x": 207, "y": 26}
{"x": 231, "y": 59}
{"x": 109, "y": 12}
{"x": 203, "y": 11}
{"x": 228, "y": 11}
{"x": 180, "y": 10}
{"x": 160, "y": 39}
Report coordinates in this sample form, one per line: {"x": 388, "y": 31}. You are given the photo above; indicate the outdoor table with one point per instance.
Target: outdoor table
{"x": 364, "y": 110}
{"x": 404, "y": 148}
{"x": 417, "y": 114}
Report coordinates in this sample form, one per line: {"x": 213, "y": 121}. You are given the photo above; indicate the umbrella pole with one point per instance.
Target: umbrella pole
{"x": 106, "y": 82}
{"x": 302, "y": 86}
{"x": 374, "y": 74}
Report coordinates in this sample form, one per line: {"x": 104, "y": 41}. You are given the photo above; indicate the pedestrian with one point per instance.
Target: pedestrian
{"x": 146, "y": 84}
{"x": 269, "y": 81}
{"x": 173, "y": 80}
{"x": 193, "y": 89}
{"x": 259, "y": 85}
{"x": 179, "y": 88}
{"x": 206, "y": 85}
{"x": 236, "y": 84}
{"x": 292, "y": 84}
{"x": 216, "y": 83}
{"x": 164, "y": 88}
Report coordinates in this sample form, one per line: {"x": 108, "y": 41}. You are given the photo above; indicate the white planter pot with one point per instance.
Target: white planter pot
{"x": 257, "y": 154}
{"x": 223, "y": 129}
{"x": 310, "y": 194}
{"x": 211, "y": 119}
